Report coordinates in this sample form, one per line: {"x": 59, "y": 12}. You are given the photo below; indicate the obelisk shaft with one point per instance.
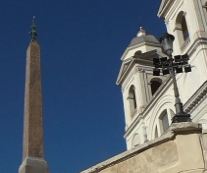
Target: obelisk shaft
{"x": 33, "y": 157}
{"x": 33, "y": 125}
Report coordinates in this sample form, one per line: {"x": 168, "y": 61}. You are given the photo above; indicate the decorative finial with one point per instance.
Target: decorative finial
{"x": 141, "y": 32}
{"x": 33, "y": 31}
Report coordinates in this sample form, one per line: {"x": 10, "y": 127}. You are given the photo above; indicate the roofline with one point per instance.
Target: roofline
{"x": 121, "y": 76}
{"x": 164, "y": 7}
{"x": 137, "y": 46}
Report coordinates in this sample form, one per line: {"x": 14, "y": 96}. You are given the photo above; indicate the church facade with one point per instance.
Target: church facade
{"x": 155, "y": 144}
{"x": 149, "y": 100}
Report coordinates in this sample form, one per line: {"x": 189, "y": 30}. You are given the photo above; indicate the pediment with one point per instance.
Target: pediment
{"x": 142, "y": 59}
{"x": 123, "y": 70}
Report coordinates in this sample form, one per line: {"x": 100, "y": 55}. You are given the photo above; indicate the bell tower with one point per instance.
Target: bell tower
{"x": 138, "y": 85}
{"x": 33, "y": 150}
{"x": 149, "y": 100}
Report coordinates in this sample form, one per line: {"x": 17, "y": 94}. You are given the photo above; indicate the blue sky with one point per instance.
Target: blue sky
{"x": 81, "y": 45}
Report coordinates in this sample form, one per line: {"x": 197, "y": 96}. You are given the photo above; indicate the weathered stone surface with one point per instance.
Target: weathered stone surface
{"x": 186, "y": 127}
{"x": 33, "y": 152}
{"x": 33, "y": 165}
{"x": 179, "y": 150}
{"x": 33, "y": 127}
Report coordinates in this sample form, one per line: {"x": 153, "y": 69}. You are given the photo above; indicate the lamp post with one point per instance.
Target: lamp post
{"x": 170, "y": 65}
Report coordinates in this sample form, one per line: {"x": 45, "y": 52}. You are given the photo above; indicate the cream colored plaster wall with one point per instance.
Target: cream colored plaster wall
{"x": 180, "y": 150}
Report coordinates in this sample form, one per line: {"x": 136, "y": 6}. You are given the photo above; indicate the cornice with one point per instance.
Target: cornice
{"x": 164, "y": 6}
{"x": 197, "y": 98}
{"x": 136, "y": 46}
{"x": 196, "y": 42}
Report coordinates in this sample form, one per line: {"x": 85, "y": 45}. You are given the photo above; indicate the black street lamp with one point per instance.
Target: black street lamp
{"x": 170, "y": 65}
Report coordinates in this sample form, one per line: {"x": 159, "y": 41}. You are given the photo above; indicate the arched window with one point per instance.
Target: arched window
{"x": 164, "y": 122}
{"x": 182, "y": 28}
{"x": 132, "y": 99}
{"x": 155, "y": 84}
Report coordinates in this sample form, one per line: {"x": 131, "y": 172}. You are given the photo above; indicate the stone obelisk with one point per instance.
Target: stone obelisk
{"x": 33, "y": 150}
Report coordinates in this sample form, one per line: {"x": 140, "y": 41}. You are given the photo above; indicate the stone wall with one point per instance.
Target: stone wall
{"x": 182, "y": 149}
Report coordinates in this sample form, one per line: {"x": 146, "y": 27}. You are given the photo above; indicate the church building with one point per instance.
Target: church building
{"x": 156, "y": 143}
{"x": 149, "y": 100}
